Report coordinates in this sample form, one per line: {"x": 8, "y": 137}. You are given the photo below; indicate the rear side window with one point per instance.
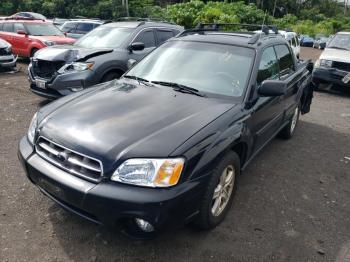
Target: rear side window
{"x": 68, "y": 27}
{"x": 297, "y": 41}
{"x": 84, "y": 28}
{"x": 268, "y": 67}
{"x": 146, "y": 37}
{"x": 164, "y": 35}
{"x": 8, "y": 27}
{"x": 18, "y": 26}
{"x": 285, "y": 59}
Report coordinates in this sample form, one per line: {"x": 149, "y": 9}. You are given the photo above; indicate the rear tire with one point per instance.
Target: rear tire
{"x": 288, "y": 131}
{"x": 219, "y": 193}
{"x": 110, "y": 76}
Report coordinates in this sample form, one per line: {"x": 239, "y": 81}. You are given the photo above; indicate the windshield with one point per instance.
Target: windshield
{"x": 341, "y": 41}
{"x": 104, "y": 37}
{"x": 212, "y": 68}
{"x": 43, "y": 29}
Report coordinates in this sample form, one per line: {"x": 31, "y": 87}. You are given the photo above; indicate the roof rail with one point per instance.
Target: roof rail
{"x": 142, "y": 19}
{"x": 22, "y": 18}
{"x": 213, "y": 27}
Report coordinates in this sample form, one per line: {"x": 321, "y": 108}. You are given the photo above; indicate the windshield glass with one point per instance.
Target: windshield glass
{"x": 212, "y": 68}
{"x": 340, "y": 41}
{"x": 43, "y": 29}
{"x": 104, "y": 37}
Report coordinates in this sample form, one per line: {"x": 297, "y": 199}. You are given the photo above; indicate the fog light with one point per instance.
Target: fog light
{"x": 76, "y": 89}
{"x": 144, "y": 225}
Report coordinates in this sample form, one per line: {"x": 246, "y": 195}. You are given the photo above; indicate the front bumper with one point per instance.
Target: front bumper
{"x": 329, "y": 76}
{"x": 61, "y": 84}
{"x": 110, "y": 203}
{"x": 8, "y": 61}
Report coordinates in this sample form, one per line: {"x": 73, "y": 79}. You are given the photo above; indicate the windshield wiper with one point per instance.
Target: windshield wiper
{"x": 338, "y": 47}
{"x": 179, "y": 87}
{"x": 140, "y": 79}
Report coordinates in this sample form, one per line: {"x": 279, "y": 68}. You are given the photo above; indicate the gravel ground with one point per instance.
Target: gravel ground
{"x": 292, "y": 202}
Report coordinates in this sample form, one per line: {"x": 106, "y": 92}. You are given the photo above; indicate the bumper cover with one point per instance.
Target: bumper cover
{"x": 109, "y": 203}
{"x": 61, "y": 84}
{"x": 329, "y": 75}
{"x": 8, "y": 61}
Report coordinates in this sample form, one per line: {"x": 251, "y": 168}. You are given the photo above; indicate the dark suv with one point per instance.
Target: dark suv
{"x": 165, "y": 144}
{"x": 99, "y": 56}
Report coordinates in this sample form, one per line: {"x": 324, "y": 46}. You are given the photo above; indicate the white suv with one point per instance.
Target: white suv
{"x": 333, "y": 66}
{"x": 293, "y": 40}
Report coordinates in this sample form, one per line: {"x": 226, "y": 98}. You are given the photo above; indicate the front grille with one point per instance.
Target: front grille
{"x": 341, "y": 66}
{"x": 73, "y": 162}
{"x": 4, "y": 51}
{"x": 46, "y": 69}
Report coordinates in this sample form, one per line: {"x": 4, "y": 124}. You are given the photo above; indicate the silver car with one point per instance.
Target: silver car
{"x": 7, "y": 58}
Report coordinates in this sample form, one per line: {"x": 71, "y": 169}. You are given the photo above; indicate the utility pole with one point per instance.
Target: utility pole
{"x": 125, "y": 3}
{"x": 345, "y": 6}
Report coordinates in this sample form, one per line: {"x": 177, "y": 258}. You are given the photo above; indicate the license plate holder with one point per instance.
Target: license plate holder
{"x": 346, "y": 79}
{"x": 40, "y": 83}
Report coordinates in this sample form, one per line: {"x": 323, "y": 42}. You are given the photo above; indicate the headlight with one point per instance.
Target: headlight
{"x": 150, "y": 172}
{"x": 8, "y": 49}
{"x": 326, "y": 63}
{"x": 32, "y": 128}
{"x": 49, "y": 43}
{"x": 79, "y": 66}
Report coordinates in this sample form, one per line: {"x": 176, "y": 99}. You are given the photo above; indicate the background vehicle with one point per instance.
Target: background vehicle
{"x": 59, "y": 21}
{"x": 293, "y": 40}
{"x": 321, "y": 43}
{"x": 7, "y": 59}
{"x": 99, "y": 56}
{"x": 28, "y": 35}
{"x": 165, "y": 144}
{"x": 78, "y": 28}
{"x": 333, "y": 66}
{"x": 307, "y": 41}
{"x": 28, "y": 15}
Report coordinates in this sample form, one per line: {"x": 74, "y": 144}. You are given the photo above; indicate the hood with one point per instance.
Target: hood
{"x": 59, "y": 40}
{"x": 68, "y": 53}
{"x": 336, "y": 55}
{"x": 122, "y": 120}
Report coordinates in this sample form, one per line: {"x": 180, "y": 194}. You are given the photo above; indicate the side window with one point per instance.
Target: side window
{"x": 146, "y": 37}
{"x": 84, "y": 28}
{"x": 69, "y": 27}
{"x": 297, "y": 40}
{"x": 293, "y": 42}
{"x": 18, "y": 26}
{"x": 8, "y": 27}
{"x": 176, "y": 32}
{"x": 285, "y": 59}
{"x": 268, "y": 67}
{"x": 1, "y": 26}
{"x": 164, "y": 35}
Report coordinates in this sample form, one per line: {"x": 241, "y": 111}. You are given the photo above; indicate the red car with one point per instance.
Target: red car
{"x": 29, "y": 35}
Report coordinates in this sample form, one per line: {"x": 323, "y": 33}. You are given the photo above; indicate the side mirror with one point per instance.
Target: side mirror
{"x": 272, "y": 88}
{"x": 21, "y": 32}
{"x": 131, "y": 63}
{"x": 310, "y": 67}
{"x": 137, "y": 46}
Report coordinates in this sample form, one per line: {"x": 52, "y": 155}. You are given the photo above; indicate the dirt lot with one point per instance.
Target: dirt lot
{"x": 292, "y": 203}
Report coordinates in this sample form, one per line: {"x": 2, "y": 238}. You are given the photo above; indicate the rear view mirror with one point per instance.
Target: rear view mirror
{"x": 272, "y": 88}
{"x": 137, "y": 46}
{"x": 21, "y": 32}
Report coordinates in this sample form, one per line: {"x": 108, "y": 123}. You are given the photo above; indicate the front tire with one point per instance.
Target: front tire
{"x": 218, "y": 196}
{"x": 288, "y": 131}
{"x": 110, "y": 76}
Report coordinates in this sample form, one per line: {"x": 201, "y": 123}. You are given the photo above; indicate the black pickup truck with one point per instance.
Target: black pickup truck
{"x": 166, "y": 143}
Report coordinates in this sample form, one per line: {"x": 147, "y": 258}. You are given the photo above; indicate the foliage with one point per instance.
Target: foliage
{"x": 303, "y": 16}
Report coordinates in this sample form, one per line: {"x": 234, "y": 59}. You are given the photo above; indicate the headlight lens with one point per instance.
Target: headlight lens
{"x": 150, "y": 172}
{"x": 79, "y": 66}
{"x": 326, "y": 63}
{"x": 49, "y": 43}
{"x": 32, "y": 128}
{"x": 8, "y": 49}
